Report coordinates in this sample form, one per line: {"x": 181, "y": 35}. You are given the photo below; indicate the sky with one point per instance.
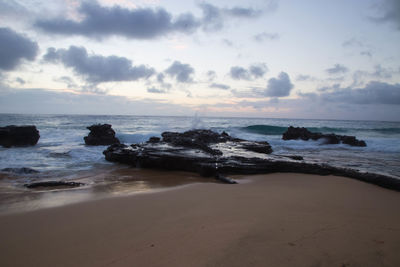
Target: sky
{"x": 307, "y": 59}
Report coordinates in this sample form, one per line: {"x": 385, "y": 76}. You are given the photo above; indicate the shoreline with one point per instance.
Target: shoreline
{"x": 274, "y": 220}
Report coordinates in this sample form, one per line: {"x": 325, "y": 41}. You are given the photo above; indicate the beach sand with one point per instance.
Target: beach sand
{"x": 267, "y": 220}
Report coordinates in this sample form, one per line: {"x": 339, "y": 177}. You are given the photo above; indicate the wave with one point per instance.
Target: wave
{"x": 386, "y": 130}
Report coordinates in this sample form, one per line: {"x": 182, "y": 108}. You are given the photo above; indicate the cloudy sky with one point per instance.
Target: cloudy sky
{"x": 256, "y": 58}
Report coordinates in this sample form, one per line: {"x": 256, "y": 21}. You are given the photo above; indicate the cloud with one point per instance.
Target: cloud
{"x": 55, "y": 102}
{"x": 279, "y": 87}
{"x": 366, "y": 53}
{"x": 211, "y": 75}
{"x": 302, "y": 78}
{"x": 68, "y": 81}
{"x": 156, "y": 90}
{"x": 264, "y": 36}
{"x": 20, "y": 80}
{"x": 220, "y": 86}
{"x": 255, "y": 71}
{"x": 97, "y": 68}
{"x": 373, "y": 93}
{"x": 239, "y": 73}
{"x": 337, "y": 69}
{"x": 390, "y": 13}
{"x": 140, "y": 23}
{"x": 181, "y": 72}
{"x": 215, "y": 17}
{"x": 15, "y": 48}
{"x": 227, "y": 42}
{"x": 258, "y": 70}
{"x": 378, "y": 72}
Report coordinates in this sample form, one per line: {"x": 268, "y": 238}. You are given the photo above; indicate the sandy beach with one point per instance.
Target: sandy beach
{"x": 267, "y": 220}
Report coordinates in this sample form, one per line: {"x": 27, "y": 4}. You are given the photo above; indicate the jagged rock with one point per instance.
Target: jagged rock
{"x": 294, "y": 133}
{"x": 53, "y": 184}
{"x": 233, "y": 158}
{"x": 20, "y": 170}
{"x": 13, "y": 135}
{"x": 101, "y": 135}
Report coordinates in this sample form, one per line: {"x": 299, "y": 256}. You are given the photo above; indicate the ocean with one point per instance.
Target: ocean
{"x": 62, "y": 154}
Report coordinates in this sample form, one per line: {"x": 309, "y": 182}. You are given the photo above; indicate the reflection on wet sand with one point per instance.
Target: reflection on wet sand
{"x": 104, "y": 182}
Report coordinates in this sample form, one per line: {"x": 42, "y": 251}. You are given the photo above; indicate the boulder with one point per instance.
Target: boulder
{"x": 101, "y": 135}
{"x": 295, "y": 133}
{"x": 17, "y": 136}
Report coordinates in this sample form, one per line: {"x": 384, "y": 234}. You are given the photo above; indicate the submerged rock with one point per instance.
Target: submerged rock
{"x": 13, "y": 135}
{"x": 216, "y": 155}
{"x": 294, "y": 133}
{"x": 101, "y": 135}
{"x": 53, "y": 184}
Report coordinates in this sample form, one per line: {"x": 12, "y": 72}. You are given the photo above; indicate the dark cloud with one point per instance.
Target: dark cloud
{"x": 373, "y": 93}
{"x": 279, "y": 87}
{"x": 264, "y": 36}
{"x": 14, "y": 48}
{"x": 139, "y": 23}
{"x": 390, "y": 13}
{"x": 97, "y": 68}
{"x": 181, "y": 72}
{"x": 220, "y": 86}
{"x": 337, "y": 69}
{"x": 254, "y": 71}
{"x": 214, "y": 17}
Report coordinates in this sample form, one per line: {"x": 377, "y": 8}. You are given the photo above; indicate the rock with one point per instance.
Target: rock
{"x": 13, "y": 135}
{"x": 53, "y": 184}
{"x": 20, "y": 170}
{"x": 179, "y": 151}
{"x": 294, "y": 133}
{"x": 259, "y": 147}
{"x": 294, "y": 157}
{"x": 101, "y": 135}
{"x": 224, "y": 179}
{"x": 154, "y": 139}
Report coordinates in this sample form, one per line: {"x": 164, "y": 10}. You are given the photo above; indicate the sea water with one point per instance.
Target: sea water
{"x": 61, "y": 153}
{"x": 61, "y": 150}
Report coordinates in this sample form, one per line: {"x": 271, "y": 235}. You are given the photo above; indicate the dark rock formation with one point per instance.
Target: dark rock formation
{"x": 20, "y": 170}
{"x": 19, "y": 135}
{"x": 53, "y": 184}
{"x": 294, "y": 133}
{"x": 216, "y": 155}
{"x": 101, "y": 135}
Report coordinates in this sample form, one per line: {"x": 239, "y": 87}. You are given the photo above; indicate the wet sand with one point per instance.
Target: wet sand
{"x": 271, "y": 220}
